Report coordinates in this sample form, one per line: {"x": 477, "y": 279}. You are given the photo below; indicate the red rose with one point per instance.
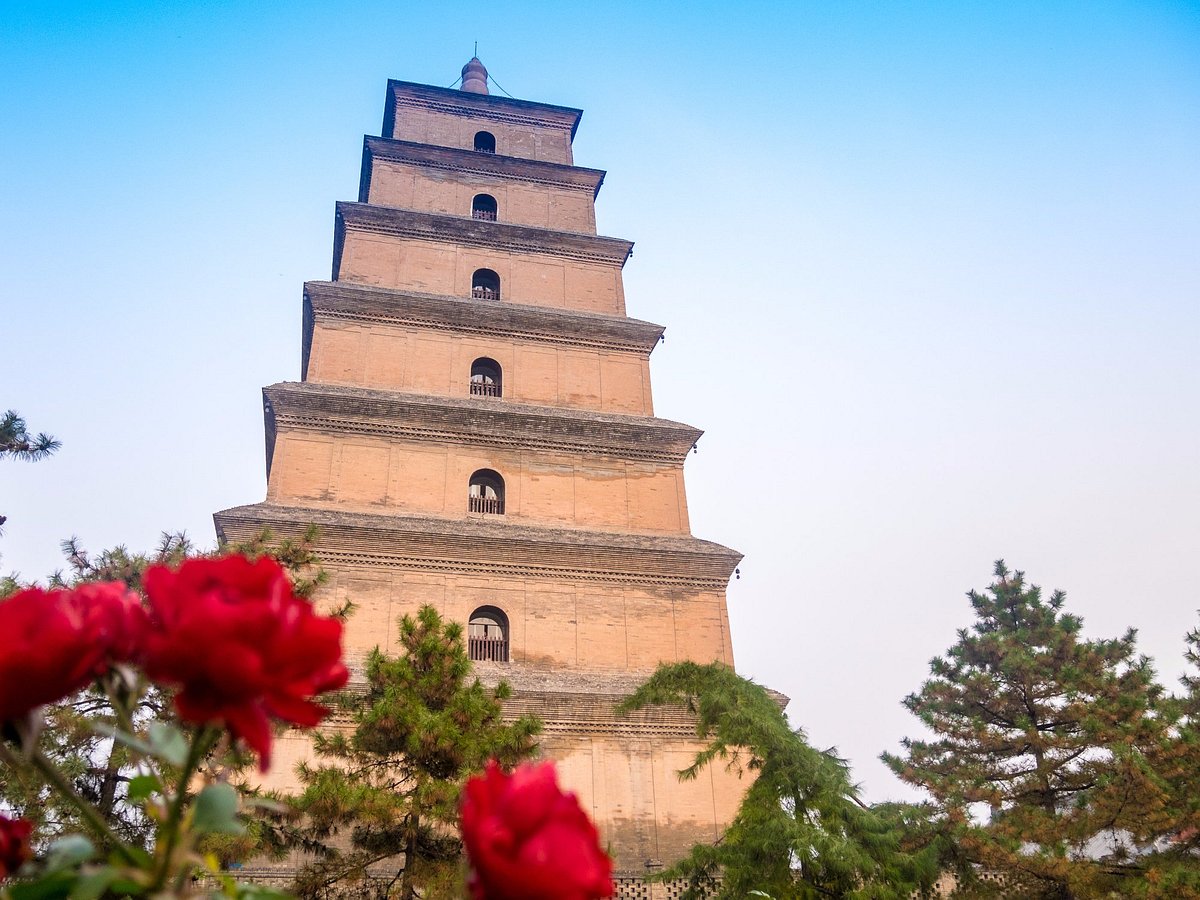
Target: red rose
{"x": 527, "y": 840}
{"x": 241, "y": 646}
{"x": 55, "y": 642}
{"x": 14, "y": 844}
{"x": 114, "y": 616}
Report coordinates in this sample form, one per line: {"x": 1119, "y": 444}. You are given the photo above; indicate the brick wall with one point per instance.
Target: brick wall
{"x": 450, "y": 193}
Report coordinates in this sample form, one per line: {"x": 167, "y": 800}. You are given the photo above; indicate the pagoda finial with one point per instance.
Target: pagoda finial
{"x": 474, "y": 77}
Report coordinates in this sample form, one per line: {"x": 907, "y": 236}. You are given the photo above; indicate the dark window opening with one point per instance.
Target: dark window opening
{"x": 485, "y": 142}
{"x": 485, "y": 285}
{"x": 487, "y": 635}
{"x": 484, "y": 207}
{"x": 485, "y": 378}
{"x": 486, "y": 493}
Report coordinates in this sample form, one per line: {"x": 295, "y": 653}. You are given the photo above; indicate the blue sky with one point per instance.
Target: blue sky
{"x": 929, "y": 272}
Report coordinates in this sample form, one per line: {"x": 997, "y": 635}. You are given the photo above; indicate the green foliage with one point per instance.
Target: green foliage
{"x": 801, "y": 831}
{"x": 118, "y": 564}
{"x": 424, "y": 725}
{"x": 1186, "y": 756}
{"x": 1172, "y": 869}
{"x": 17, "y": 443}
{"x": 1058, "y": 740}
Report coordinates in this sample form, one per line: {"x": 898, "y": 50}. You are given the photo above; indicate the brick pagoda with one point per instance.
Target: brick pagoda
{"x": 473, "y": 428}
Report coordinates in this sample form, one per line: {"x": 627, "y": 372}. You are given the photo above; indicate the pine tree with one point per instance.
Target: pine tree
{"x": 1173, "y": 868}
{"x": 1053, "y": 739}
{"x": 17, "y": 443}
{"x": 424, "y": 725}
{"x": 801, "y": 831}
{"x": 1186, "y": 781}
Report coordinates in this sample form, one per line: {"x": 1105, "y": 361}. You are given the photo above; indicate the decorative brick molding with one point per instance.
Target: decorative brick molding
{"x": 488, "y": 106}
{"x": 471, "y": 162}
{"x": 310, "y": 406}
{"x": 472, "y": 546}
{"x": 460, "y": 230}
{"x": 344, "y": 301}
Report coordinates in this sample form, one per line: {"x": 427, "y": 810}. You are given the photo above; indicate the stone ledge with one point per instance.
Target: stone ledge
{"x": 488, "y": 547}
{"x": 505, "y": 109}
{"x": 461, "y": 230}
{"x": 570, "y": 701}
{"x": 345, "y": 301}
{"x": 476, "y": 163}
{"x": 491, "y": 422}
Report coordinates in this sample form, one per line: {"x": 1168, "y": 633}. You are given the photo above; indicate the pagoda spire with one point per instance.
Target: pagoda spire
{"x": 475, "y": 77}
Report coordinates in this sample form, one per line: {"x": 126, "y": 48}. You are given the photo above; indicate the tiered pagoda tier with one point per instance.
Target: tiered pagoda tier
{"x": 474, "y": 429}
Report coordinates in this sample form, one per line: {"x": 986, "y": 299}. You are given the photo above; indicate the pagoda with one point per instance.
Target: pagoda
{"x": 474, "y": 429}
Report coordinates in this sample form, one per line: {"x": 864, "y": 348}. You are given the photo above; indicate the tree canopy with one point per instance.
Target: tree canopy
{"x": 1046, "y": 749}
{"x": 801, "y": 831}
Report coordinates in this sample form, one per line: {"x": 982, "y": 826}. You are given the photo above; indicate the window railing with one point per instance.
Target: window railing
{"x": 479, "y": 149}
{"x": 485, "y": 293}
{"x": 489, "y": 214}
{"x": 485, "y": 389}
{"x": 492, "y": 505}
{"x": 488, "y": 649}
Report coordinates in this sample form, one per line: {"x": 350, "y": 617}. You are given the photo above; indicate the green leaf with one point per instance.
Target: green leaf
{"x": 141, "y": 858}
{"x": 93, "y": 884}
{"x": 125, "y": 887}
{"x": 69, "y": 851}
{"x": 52, "y": 886}
{"x": 142, "y": 786}
{"x": 216, "y": 810}
{"x": 168, "y": 743}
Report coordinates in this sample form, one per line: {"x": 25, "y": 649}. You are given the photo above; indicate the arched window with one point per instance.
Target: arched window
{"x": 487, "y": 635}
{"x": 485, "y": 377}
{"x": 484, "y": 207}
{"x": 485, "y": 142}
{"x": 486, "y": 493}
{"x": 485, "y": 285}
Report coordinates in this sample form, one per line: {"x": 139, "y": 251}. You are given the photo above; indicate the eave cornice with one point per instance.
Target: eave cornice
{"x": 485, "y": 421}
{"x": 345, "y": 301}
{"x": 475, "y": 163}
{"x": 475, "y": 233}
{"x": 571, "y": 701}
{"x": 489, "y": 548}
{"x": 486, "y": 106}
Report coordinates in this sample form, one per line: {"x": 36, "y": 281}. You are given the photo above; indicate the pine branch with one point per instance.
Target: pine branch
{"x": 17, "y": 442}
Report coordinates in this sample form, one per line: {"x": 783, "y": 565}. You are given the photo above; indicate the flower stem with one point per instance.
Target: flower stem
{"x": 60, "y": 783}
{"x": 203, "y": 740}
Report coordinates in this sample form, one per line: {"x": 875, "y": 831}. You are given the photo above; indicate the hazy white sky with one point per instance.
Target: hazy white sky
{"x": 930, "y": 277}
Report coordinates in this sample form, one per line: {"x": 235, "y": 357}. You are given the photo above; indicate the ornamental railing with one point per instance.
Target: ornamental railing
{"x": 485, "y": 389}
{"x": 485, "y": 293}
{"x": 488, "y": 214}
{"x": 493, "y": 505}
{"x": 488, "y": 649}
